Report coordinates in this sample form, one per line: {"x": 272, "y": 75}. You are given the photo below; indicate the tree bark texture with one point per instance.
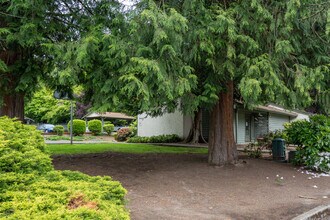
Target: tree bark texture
{"x": 195, "y": 135}
{"x": 13, "y": 106}
{"x": 222, "y": 146}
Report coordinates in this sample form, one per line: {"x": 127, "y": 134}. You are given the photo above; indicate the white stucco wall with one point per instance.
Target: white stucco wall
{"x": 276, "y": 121}
{"x": 301, "y": 116}
{"x": 187, "y": 124}
{"x": 169, "y": 123}
{"x": 240, "y": 127}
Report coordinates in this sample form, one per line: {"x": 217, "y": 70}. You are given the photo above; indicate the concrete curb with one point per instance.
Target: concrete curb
{"x": 311, "y": 214}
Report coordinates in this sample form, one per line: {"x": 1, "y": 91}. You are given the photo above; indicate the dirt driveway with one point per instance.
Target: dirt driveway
{"x": 168, "y": 186}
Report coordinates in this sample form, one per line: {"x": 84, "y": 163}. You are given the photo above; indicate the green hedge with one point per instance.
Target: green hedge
{"x": 170, "y": 138}
{"x": 59, "y": 130}
{"x": 95, "y": 126}
{"x": 79, "y": 127}
{"x": 108, "y": 128}
{"x": 313, "y": 140}
{"x": 30, "y": 188}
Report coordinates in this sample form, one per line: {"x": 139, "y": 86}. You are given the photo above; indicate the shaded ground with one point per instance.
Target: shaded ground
{"x": 167, "y": 186}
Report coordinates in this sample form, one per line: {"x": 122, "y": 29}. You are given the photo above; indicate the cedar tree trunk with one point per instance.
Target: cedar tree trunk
{"x": 13, "y": 106}
{"x": 12, "y": 101}
{"x": 222, "y": 146}
{"x": 195, "y": 135}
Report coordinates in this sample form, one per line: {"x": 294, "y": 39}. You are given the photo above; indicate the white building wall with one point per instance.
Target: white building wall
{"x": 241, "y": 127}
{"x": 276, "y": 121}
{"x": 168, "y": 123}
{"x": 301, "y": 116}
{"x": 187, "y": 124}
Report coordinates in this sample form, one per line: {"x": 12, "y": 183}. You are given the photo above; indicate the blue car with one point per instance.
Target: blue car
{"x": 46, "y": 128}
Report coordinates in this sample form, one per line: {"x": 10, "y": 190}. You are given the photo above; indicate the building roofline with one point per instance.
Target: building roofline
{"x": 109, "y": 115}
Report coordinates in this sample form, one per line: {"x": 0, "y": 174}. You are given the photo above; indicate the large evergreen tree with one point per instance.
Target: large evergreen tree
{"x": 159, "y": 55}
{"x": 200, "y": 53}
{"x": 29, "y": 30}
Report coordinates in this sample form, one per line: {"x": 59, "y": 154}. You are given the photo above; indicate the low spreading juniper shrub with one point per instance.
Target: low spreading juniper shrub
{"x": 52, "y": 197}
{"x": 30, "y": 188}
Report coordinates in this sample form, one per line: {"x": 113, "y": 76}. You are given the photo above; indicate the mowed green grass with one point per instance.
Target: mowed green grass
{"x": 62, "y": 149}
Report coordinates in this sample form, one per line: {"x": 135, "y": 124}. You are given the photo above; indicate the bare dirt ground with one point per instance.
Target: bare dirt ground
{"x": 168, "y": 186}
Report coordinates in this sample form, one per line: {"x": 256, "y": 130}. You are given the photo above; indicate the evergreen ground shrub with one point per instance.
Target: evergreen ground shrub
{"x": 30, "y": 188}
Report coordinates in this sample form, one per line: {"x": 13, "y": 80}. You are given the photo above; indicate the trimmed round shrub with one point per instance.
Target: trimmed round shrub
{"x": 95, "y": 126}
{"x": 59, "y": 130}
{"x": 79, "y": 127}
{"x": 30, "y": 188}
{"x": 108, "y": 128}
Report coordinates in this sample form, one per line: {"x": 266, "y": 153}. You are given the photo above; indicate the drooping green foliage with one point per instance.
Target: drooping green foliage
{"x": 30, "y": 32}
{"x": 163, "y": 51}
{"x": 271, "y": 50}
{"x": 95, "y": 126}
{"x": 30, "y": 188}
{"x": 43, "y": 107}
{"x": 313, "y": 140}
{"x": 323, "y": 102}
{"x": 163, "y": 54}
{"x": 137, "y": 65}
{"x": 78, "y": 127}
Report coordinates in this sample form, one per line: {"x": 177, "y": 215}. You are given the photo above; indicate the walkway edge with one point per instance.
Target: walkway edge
{"x": 309, "y": 215}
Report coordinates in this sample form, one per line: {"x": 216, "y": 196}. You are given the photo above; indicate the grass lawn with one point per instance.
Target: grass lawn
{"x": 58, "y": 149}
{"x": 75, "y": 138}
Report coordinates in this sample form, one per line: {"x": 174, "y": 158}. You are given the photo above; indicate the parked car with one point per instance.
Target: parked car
{"x": 116, "y": 128}
{"x": 46, "y": 127}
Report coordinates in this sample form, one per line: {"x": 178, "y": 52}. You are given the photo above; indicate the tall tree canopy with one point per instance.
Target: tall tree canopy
{"x": 188, "y": 53}
{"x": 200, "y": 53}
{"x": 28, "y": 31}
